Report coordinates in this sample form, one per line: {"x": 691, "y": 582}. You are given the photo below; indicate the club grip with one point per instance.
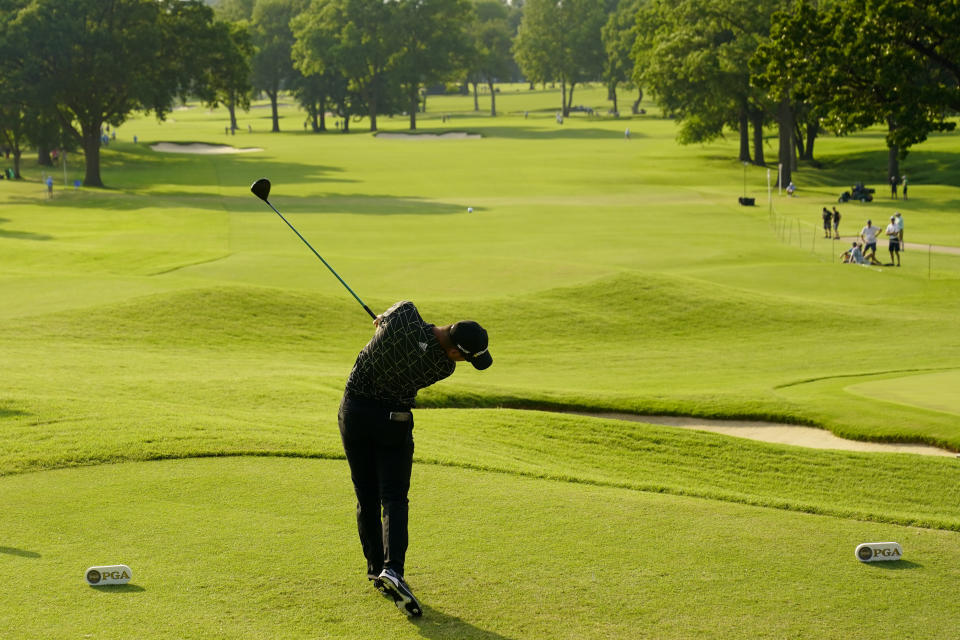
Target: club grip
{"x": 372, "y": 314}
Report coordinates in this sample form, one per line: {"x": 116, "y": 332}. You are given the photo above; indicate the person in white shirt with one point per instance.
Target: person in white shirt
{"x": 893, "y": 238}
{"x": 869, "y": 236}
{"x": 903, "y": 247}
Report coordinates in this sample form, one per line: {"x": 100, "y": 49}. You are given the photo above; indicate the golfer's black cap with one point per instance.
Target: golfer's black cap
{"x": 471, "y": 341}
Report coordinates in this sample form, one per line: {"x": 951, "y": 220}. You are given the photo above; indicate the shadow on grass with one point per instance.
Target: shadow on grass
{"x": 24, "y": 235}
{"x": 358, "y": 203}
{"x": 118, "y": 588}
{"x": 896, "y": 565}
{"x": 230, "y": 169}
{"x": 9, "y": 413}
{"x": 438, "y": 625}
{"x": 870, "y": 168}
{"x": 23, "y": 553}
{"x": 21, "y": 235}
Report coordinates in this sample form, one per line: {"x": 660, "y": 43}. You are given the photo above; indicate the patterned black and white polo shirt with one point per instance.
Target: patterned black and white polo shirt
{"x": 402, "y": 357}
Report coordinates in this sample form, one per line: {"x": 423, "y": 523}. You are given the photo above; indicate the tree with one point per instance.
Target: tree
{"x": 619, "y": 35}
{"x": 229, "y": 76}
{"x": 858, "y": 71}
{"x": 13, "y": 130}
{"x": 272, "y": 36}
{"x": 97, "y": 62}
{"x": 317, "y": 56}
{"x": 235, "y": 10}
{"x": 492, "y": 37}
{"x": 360, "y": 40}
{"x": 693, "y": 56}
{"x": 928, "y": 27}
{"x": 431, "y": 45}
{"x": 560, "y": 40}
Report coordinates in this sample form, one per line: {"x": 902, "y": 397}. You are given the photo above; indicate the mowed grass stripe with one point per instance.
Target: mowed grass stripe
{"x": 266, "y": 548}
{"x": 894, "y": 488}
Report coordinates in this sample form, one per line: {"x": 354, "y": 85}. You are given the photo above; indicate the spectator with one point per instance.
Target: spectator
{"x": 853, "y": 255}
{"x": 893, "y": 187}
{"x": 791, "y": 188}
{"x": 869, "y": 237}
{"x": 893, "y": 238}
{"x": 903, "y": 179}
{"x": 899, "y": 217}
{"x": 827, "y": 221}
{"x": 836, "y": 223}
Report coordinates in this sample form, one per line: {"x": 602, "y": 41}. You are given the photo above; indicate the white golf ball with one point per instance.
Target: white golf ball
{"x": 469, "y": 209}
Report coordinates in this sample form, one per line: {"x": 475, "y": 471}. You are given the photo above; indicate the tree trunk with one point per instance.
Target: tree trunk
{"x": 17, "y": 154}
{"x": 232, "y": 108}
{"x": 612, "y": 95}
{"x": 322, "y": 108}
{"x": 414, "y": 106}
{"x": 744, "y": 131}
{"x": 636, "y": 105}
{"x": 563, "y": 99}
{"x": 476, "y": 98}
{"x": 276, "y": 115}
{"x": 813, "y": 129}
{"x": 493, "y": 99}
{"x": 570, "y": 97}
{"x": 798, "y": 139}
{"x": 43, "y": 156}
{"x": 756, "y": 119}
{"x": 785, "y": 155}
{"x": 893, "y": 163}
{"x": 90, "y": 140}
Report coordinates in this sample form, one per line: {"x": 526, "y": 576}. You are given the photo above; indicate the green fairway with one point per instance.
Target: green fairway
{"x": 174, "y": 316}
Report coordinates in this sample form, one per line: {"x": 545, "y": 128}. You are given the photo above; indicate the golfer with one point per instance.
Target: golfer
{"x": 405, "y": 355}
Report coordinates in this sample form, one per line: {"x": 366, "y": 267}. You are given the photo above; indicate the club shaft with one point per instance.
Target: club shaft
{"x": 325, "y": 263}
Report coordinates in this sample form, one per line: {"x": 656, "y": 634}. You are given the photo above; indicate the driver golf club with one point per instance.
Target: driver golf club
{"x": 261, "y": 189}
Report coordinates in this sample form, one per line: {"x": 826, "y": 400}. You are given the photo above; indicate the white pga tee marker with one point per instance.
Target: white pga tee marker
{"x": 108, "y": 574}
{"x": 878, "y": 551}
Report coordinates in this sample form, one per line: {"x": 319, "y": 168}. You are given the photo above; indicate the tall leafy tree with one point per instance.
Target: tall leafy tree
{"x": 859, "y": 71}
{"x": 693, "y": 55}
{"x": 430, "y": 45}
{"x": 272, "y": 37}
{"x": 96, "y": 62}
{"x": 229, "y": 75}
{"x": 491, "y": 35}
{"x": 619, "y": 34}
{"x": 318, "y": 56}
{"x": 360, "y": 40}
{"x": 235, "y": 10}
{"x": 559, "y": 40}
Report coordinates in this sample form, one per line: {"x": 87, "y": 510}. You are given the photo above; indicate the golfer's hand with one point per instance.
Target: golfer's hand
{"x": 376, "y": 321}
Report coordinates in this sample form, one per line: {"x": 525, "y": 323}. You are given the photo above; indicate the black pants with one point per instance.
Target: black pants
{"x": 380, "y": 453}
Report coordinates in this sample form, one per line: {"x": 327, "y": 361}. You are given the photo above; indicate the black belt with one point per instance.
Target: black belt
{"x": 393, "y": 406}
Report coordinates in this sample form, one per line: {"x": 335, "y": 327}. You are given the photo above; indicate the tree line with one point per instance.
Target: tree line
{"x": 73, "y": 67}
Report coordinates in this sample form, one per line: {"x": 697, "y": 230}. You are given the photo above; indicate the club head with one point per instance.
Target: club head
{"x": 261, "y": 189}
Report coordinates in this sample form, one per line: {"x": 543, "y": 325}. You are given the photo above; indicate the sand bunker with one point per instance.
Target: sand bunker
{"x": 197, "y": 147}
{"x": 773, "y": 432}
{"x": 452, "y": 135}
